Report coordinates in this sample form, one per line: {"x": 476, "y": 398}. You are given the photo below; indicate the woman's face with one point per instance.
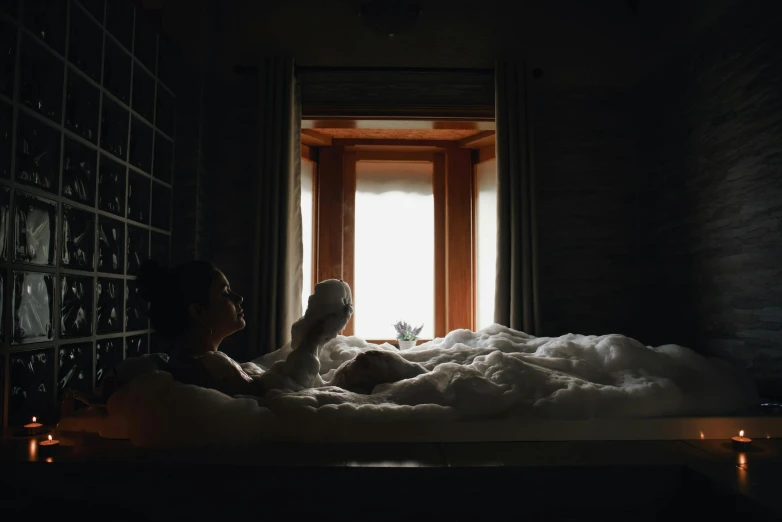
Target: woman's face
{"x": 224, "y": 315}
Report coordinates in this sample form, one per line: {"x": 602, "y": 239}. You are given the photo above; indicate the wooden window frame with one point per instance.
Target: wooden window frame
{"x": 454, "y": 195}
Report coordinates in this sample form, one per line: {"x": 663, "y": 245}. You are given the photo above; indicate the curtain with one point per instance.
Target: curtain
{"x": 516, "y": 295}
{"x": 277, "y": 257}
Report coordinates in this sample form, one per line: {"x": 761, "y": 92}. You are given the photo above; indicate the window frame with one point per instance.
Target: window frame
{"x": 454, "y": 190}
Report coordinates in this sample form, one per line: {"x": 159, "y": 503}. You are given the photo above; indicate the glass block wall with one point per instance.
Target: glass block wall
{"x": 86, "y": 169}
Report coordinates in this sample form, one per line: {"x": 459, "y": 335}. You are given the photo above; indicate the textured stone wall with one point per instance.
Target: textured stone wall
{"x": 711, "y": 153}
{"x": 585, "y": 153}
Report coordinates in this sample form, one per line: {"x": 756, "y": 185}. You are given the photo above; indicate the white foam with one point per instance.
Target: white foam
{"x": 493, "y": 373}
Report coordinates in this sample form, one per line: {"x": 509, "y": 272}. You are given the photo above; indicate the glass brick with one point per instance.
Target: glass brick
{"x": 141, "y": 145}
{"x": 37, "y": 154}
{"x": 76, "y": 297}
{"x": 31, "y": 387}
{"x": 78, "y": 238}
{"x": 138, "y": 248}
{"x": 110, "y": 311}
{"x": 138, "y": 197}
{"x": 78, "y": 172}
{"x": 33, "y": 301}
{"x": 111, "y": 238}
{"x": 85, "y": 44}
{"x": 82, "y": 101}
{"x": 46, "y": 19}
{"x": 76, "y": 362}
{"x": 108, "y": 354}
{"x": 114, "y": 128}
{"x": 136, "y": 346}
{"x": 41, "y": 77}
{"x": 111, "y": 186}
{"x": 136, "y": 308}
{"x": 35, "y": 229}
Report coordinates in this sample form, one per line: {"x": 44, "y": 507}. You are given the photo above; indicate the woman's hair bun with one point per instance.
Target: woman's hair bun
{"x": 153, "y": 280}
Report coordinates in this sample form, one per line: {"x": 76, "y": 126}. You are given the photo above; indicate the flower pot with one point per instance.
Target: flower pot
{"x": 406, "y": 345}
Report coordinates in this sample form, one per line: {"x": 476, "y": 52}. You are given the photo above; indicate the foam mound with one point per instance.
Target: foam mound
{"x": 493, "y": 373}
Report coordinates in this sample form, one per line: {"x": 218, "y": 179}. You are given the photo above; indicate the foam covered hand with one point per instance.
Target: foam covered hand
{"x": 328, "y": 311}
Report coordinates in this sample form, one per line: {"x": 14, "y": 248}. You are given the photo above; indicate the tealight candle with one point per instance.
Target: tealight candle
{"x": 741, "y": 442}
{"x": 33, "y": 427}
{"x": 49, "y": 445}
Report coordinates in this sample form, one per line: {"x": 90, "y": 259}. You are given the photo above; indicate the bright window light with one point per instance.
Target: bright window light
{"x": 306, "y": 231}
{"x": 394, "y": 248}
{"x": 486, "y": 230}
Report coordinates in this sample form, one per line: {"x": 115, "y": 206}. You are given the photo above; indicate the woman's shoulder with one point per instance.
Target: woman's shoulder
{"x": 218, "y": 360}
{"x": 216, "y": 356}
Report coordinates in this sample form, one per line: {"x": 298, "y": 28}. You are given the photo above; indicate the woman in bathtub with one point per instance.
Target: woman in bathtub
{"x": 194, "y": 307}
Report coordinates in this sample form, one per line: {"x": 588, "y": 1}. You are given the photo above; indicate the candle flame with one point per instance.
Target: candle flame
{"x": 33, "y": 419}
{"x": 50, "y": 437}
{"x": 741, "y": 433}
{"x": 702, "y": 435}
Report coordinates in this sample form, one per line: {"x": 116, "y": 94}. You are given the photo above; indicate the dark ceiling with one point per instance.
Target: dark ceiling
{"x": 591, "y": 42}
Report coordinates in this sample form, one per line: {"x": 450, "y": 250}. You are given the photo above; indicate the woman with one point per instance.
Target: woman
{"x": 194, "y": 308}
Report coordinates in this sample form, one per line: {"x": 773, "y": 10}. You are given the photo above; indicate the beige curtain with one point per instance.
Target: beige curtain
{"x": 277, "y": 258}
{"x": 516, "y": 297}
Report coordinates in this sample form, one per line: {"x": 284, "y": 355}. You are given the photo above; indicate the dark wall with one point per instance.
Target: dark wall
{"x": 585, "y": 153}
{"x": 226, "y": 195}
{"x": 711, "y": 145}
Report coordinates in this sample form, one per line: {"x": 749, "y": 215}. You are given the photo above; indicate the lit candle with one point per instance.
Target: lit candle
{"x": 49, "y": 445}
{"x": 33, "y": 427}
{"x": 741, "y": 442}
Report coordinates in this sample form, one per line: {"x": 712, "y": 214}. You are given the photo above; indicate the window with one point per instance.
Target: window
{"x": 486, "y": 240}
{"x": 307, "y": 186}
{"x": 407, "y": 222}
{"x": 393, "y": 247}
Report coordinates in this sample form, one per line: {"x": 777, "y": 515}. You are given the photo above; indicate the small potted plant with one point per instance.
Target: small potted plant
{"x": 406, "y": 334}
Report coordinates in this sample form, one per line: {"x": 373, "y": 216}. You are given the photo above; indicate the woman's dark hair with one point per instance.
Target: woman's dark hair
{"x": 170, "y": 292}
